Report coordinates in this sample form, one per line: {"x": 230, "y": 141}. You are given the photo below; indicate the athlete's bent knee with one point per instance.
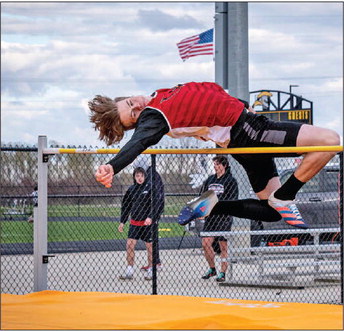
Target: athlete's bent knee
{"x": 333, "y": 138}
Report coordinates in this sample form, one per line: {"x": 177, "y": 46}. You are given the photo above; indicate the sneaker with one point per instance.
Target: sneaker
{"x": 210, "y": 273}
{"x": 221, "y": 277}
{"x": 158, "y": 267}
{"x": 126, "y": 276}
{"x": 30, "y": 219}
{"x": 288, "y": 211}
{"x": 149, "y": 274}
{"x": 199, "y": 207}
{"x": 144, "y": 268}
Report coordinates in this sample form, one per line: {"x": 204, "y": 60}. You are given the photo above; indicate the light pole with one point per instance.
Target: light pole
{"x": 292, "y": 97}
{"x": 290, "y": 86}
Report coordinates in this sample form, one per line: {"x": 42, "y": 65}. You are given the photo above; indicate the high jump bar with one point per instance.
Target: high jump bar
{"x": 246, "y": 150}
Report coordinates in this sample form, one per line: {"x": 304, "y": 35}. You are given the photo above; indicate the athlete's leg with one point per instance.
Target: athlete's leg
{"x": 313, "y": 162}
{"x": 270, "y": 133}
{"x": 263, "y": 176}
{"x": 253, "y": 130}
{"x": 272, "y": 185}
{"x": 254, "y": 209}
{"x": 224, "y": 255}
{"x": 209, "y": 253}
{"x": 209, "y": 256}
{"x": 131, "y": 243}
{"x": 149, "y": 254}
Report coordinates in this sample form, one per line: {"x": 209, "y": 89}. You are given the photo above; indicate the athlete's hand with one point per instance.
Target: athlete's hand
{"x": 104, "y": 175}
{"x": 148, "y": 221}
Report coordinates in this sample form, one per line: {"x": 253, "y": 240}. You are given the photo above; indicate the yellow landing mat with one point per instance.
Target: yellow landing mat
{"x": 97, "y": 310}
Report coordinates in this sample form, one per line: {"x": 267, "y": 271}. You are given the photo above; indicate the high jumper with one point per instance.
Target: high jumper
{"x": 204, "y": 110}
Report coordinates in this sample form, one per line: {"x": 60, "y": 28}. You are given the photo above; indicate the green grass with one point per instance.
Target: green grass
{"x": 66, "y": 210}
{"x": 18, "y": 231}
{"x": 99, "y": 210}
{"x": 22, "y": 232}
{"x": 83, "y": 211}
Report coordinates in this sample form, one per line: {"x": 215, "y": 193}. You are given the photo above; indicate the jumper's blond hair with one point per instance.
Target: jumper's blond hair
{"x": 105, "y": 117}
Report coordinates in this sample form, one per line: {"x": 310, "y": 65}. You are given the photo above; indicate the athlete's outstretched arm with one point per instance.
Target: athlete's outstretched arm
{"x": 151, "y": 127}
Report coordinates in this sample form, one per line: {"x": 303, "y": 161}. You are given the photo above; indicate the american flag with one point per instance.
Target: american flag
{"x": 200, "y": 44}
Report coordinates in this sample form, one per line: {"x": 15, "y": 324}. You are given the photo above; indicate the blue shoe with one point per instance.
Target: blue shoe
{"x": 198, "y": 208}
{"x": 288, "y": 211}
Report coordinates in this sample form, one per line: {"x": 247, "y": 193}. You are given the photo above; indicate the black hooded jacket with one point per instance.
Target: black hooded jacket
{"x": 225, "y": 187}
{"x": 137, "y": 201}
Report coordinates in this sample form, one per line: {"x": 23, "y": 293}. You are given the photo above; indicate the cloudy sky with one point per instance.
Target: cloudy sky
{"x": 57, "y": 56}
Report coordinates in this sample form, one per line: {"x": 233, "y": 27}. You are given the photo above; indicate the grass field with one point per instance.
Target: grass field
{"x": 22, "y": 231}
{"x": 87, "y": 210}
{"x": 17, "y": 230}
{"x": 97, "y": 210}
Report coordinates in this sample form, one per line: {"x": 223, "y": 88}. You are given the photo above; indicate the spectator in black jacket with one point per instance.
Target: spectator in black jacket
{"x": 226, "y": 188}
{"x": 137, "y": 204}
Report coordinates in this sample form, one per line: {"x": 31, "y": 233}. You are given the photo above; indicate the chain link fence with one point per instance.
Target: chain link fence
{"x": 92, "y": 251}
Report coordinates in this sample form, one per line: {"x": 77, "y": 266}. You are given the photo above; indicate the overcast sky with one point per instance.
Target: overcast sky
{"x": 57, "y": 56}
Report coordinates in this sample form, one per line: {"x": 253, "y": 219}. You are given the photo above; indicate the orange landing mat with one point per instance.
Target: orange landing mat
{"x": 97, "y": 310}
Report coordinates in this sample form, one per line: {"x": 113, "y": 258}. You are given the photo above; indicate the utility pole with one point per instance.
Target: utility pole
{"x": 291, "y": 96}
{"x": 238, "y": 50}
{"x": 221, "y": 44}
{"x": 290, "y": 87}
{"x": 231, "y": 72}
{"x": 231, "y": 48}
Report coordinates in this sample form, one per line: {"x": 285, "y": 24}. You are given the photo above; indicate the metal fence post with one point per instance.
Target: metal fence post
{"x": 155, "y": 225}
{"x": 341, "y": 206}
{"x": 40, "y": 236}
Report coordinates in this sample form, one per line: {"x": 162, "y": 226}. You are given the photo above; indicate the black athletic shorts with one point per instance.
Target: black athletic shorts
{"x": 218, "y": 223}
{"x": 253, "y": 130}
{"x": 140, "y": 232}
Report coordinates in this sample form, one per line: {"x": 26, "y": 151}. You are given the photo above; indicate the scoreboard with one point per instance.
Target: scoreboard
{"x": 282, "y": 106}
{"x": 297, "y": 115}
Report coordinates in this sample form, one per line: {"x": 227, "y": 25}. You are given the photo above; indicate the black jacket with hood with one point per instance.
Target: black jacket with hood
{"x": 137, "y": 201}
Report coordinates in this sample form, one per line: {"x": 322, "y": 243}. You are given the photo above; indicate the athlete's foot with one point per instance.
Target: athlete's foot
{"x": 198, "y": 208}
{"x": 288, "y": 211}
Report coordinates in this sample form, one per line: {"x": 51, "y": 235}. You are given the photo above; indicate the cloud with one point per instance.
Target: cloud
{"x": 158, "y": 20}
{"x": 57, "y": 56}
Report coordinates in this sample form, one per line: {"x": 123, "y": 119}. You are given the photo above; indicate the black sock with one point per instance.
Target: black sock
{"x": 289, "y": 189}
{"x": 258, "y": 210}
